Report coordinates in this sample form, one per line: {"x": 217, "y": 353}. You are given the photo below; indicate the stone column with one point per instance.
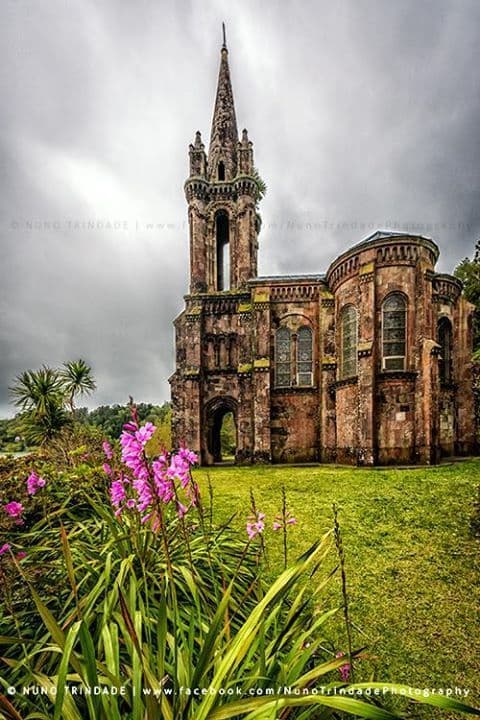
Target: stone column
{"x": 261, "y": 377}
{"x": 421, "y": 314}
{"x": 199, "y": 265}
{"x": 366, "y": 452}
{"x": 191, "y": 373}
{"x": 327, "y": 376}
{"x": 245, "y": 394}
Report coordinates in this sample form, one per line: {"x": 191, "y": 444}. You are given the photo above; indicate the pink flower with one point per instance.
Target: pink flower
{"x": 150, "y": 481}
{"x": 255, "y": 525}
{"x": 188, "y": 456}
{"x": 14, "y": 509}
{"x": 279, "y": 521}
{"x": 5, "y": 548}
{"x": 181, "y": 509}
{"x": 344, "y": 670}
{"x": 130, "y": 427}
{"x": 34, "y": 483}
{"x": 21, "y": 555}
{"x": 144, "y": 433}
{"x": 107, "y": 469}
{"x": 117, "y": 493}
{"x": 107, "y": 449}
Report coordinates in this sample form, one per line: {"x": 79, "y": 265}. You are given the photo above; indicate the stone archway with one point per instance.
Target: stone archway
{"x": 215, "y": 412}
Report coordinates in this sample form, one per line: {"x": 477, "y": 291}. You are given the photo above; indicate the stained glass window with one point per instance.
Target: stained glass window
{"x": 445, "y": 342}
{"x": 349, "y": 342}
{"x": 283, "y": 357}
{"x": 394, "y": 332}
{"x": 304, "y": 357}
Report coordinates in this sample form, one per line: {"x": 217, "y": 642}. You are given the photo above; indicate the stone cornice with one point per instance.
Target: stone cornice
{"x": 391, "y": 375}
{"x": 199, "y": 187}
{"x": 446, "y": 287}
{"x": 295, "y": 390}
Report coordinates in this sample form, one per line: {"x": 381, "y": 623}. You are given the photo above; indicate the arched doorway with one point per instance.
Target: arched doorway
{"x": 221, "y": 427}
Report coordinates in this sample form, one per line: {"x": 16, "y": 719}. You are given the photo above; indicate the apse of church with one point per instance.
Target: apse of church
{"x": 368, "y": 363}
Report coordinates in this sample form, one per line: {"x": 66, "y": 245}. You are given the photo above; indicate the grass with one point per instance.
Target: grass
{"x": 412, "y": 566}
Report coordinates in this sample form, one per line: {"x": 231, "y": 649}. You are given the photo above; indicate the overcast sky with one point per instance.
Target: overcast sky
{"x": 364, "y": 114}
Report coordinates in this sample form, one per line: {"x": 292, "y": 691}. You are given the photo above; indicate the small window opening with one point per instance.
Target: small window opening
{"x": 223, "y": 252}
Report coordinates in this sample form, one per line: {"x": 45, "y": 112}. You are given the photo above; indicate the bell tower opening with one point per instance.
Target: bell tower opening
{"x": 221, "y": 170}
{"x": 222, "y": 240}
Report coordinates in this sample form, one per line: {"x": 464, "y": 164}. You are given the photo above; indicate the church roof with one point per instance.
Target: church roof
{"x": 318, "y": 277}
{"x": 383, "y": 234}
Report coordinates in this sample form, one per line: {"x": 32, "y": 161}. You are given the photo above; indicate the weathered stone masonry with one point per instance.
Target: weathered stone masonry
{"x": 366, "y": 364}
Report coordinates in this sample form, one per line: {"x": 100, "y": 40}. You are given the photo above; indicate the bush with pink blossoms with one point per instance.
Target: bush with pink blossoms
{"x": 149, "y": 488}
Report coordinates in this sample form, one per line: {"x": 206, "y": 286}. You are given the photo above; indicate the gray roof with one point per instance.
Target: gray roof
{"x": 285, "y": 278}
{"x": 381, "y": 234}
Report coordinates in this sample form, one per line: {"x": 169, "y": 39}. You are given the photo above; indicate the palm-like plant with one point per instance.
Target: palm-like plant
{"x": 37, "y": 390}
{"x": 43, "y": 395}
{"x": 40, "y": 394}
{"x": 77, "y": 379}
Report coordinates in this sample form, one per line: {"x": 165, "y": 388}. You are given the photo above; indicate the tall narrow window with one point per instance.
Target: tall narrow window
{"x": 445, "y": 342}
{"x": 221, "y": 170}
{"x": 394, "y": 316}
{"x": 348, "y": 363}
{"x": 304, "y": 357}
{"x": 223, "y": 251}
{"x": 283, "y": 357}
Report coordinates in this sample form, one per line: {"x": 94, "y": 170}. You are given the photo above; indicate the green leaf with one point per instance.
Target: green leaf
{"x": 62, "y": 671}
{"x": 416, "y": 694}
{"x": 253, "y": 707}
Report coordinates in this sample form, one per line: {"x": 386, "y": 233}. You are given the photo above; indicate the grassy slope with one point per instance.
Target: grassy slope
{"x": 412, "y": 565}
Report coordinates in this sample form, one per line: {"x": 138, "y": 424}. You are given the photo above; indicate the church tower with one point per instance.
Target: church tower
{"x": 221, "y": 192}
{"x": 219, "y": 375}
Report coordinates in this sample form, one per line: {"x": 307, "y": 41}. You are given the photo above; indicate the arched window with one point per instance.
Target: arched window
{"x": 304, "y": 357}
{"x": 223, "y": 251}
{"x": 394, "y": 317}
{"x": 283, "y": 357}
{"x": 221, "y": 170}
{"x": 445, "y": 342}
{"x": 349, "y": 341}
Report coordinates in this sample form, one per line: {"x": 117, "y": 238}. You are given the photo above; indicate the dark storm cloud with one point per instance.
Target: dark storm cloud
{"x": 363, "y": 114}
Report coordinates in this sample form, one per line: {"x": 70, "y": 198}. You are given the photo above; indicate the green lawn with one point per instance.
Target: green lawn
{"x": 412, "y": 566}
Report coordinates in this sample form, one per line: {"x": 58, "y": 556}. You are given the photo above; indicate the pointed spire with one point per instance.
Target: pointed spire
{"x": 224, "y": 134}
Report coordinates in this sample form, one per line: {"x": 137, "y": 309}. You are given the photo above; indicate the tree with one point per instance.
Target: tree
{"x": 468, "y": 271}
{"x": 45, "y": 395}
{"x": 77, "y": 379}
{"x": 111, "y": 419}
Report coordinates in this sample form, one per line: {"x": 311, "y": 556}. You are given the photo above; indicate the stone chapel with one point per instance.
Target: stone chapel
{"x": 368, "y": 363}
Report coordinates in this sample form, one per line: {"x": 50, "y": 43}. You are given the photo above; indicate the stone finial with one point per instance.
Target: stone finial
{"x": 198, "y": 158}
{"x": 245, "y": 154}
{"x": 198, "y": 145}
